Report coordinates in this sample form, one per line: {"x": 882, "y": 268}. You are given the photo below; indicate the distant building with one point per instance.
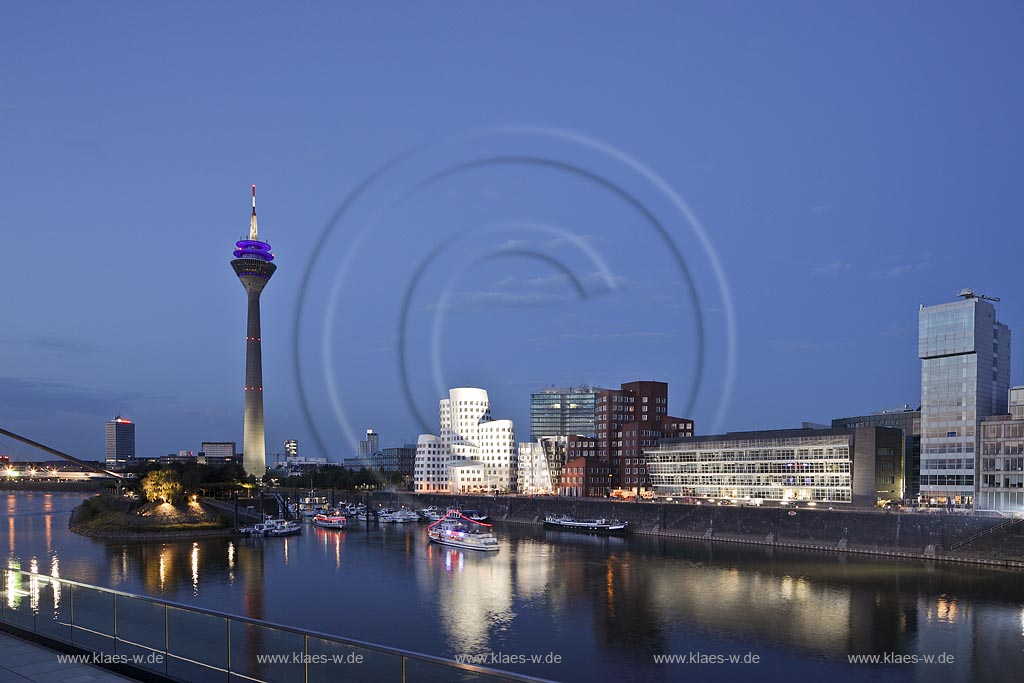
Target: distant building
{"x": 560, "y": 411}
{"x": 585, "y": 477}
{"x": 401, "y": 459}
{"x": 910, "y": 422}
{"x": 370, "y": 445}
{"x": 965, "y": 376}
{"x": 859, "y": 465}
{"x": 296, "y": 461}
{"x": 629, "y": 420}
{"x": 540, "y": 465}
{"x": 120, "y": 442}
{"x": 471, "y": 453}
{"x": 291, "y": 448}
{"x": 218, "y": 449}
{"x": 1001, "y": 463}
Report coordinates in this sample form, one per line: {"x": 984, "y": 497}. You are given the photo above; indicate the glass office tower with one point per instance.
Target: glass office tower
{"x": 562, "y": 411}
{"x": 965, "y": 376}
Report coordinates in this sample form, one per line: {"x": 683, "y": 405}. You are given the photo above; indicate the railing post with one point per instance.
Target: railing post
{"x": 227, "y": 624}
{"x": 403, "y": 668}
{"x": 114, "y": 596}
{"x": 71, "y": 603}
{"x": 167, "y": 647}
{"x": 305, "y": 656}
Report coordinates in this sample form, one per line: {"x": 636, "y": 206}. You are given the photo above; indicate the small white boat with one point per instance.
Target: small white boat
{"x": 455, "y": 529}
{"x": 402, "y": 516}
{"x": 330, "y": 521}
{"x": 431, "y": 514}
{"x": 475, "y": 515}
{"x": 281, "y": 527}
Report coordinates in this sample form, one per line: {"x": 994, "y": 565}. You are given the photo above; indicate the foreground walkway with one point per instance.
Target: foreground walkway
{"x": 22, "y": 661}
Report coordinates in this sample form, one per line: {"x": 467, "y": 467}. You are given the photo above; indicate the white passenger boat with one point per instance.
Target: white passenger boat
{"x": 597, "y": 526}
{"x": 455, "y": 529}
{"x": 330, "y": 521}
{"x": 310, "y": 506}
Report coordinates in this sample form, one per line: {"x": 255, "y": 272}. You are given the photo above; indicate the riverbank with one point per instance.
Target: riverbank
{"x": 937, "y": 537}
{"x": 108, "y": 517}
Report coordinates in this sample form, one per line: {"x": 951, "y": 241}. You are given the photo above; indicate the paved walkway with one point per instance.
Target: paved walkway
{"x": 22, "y": 661}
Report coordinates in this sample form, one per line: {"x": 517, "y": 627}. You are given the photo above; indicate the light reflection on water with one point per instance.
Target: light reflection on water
{"x": 605, "y": 604}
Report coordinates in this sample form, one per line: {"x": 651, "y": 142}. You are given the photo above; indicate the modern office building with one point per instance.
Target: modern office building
{"x": 218, "y": 449}
{"x": 628, "y": 420}
{"x": 471, "y": 452}
{"x": 540, "y": 465}
{"x": 120, "y": 434}
{"x": 1001, "y": 463}
{"x": 254, "y": 268}
{"x": 291, "y": 448}
{"x": 560, "y": 411}
{"x": 910, "y": 422}
{"x": 401, "y": 459}
{"x": 369, "y": 445}
{"x": 585, "y": 477}
{"x": 859, "y": 465}
{"x": 965, "y": 376}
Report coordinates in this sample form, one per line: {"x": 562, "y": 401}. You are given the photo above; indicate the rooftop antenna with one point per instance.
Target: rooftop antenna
{"x": 254, "y": 233}
{"x": 970, "y": 294}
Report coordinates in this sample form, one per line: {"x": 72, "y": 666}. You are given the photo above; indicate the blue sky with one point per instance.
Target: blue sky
{"x": 847, "y": 161}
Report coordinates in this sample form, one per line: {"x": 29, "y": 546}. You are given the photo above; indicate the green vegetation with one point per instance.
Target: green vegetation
{"x": 163, "y": 486}
{"x": 106, "y": 513}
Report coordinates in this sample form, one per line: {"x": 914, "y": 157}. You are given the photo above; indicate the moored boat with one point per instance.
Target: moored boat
{"x": 402, "y": 516}
{"x": 330, "y": 521}
{"x": 597, "y": 526}
{"x": 475, "y": 515}
{"x": 456, "y": 529}
{"x": 280, "y": 527}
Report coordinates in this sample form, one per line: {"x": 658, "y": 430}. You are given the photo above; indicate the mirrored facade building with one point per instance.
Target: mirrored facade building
{"x": 965, "y": 376}
{"x": 560, "y": 411}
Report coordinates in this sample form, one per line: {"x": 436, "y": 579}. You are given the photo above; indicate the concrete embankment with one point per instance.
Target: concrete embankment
{"x": 908, "y": 535}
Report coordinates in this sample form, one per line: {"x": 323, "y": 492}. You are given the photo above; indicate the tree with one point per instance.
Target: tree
{"x": 163, "y": 485}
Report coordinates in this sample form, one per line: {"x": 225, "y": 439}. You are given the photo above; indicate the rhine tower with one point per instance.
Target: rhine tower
{"x": 253, "y": 267}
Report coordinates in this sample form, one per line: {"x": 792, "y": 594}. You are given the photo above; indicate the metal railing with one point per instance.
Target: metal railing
{"x": 195, "y": 645}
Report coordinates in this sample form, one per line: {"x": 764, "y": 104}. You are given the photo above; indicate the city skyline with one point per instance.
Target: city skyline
{"x": 820, "y": 202}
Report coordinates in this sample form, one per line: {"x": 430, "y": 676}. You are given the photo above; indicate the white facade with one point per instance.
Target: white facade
{"x": 540, "y": 465}
{"x": 471, "y": 453}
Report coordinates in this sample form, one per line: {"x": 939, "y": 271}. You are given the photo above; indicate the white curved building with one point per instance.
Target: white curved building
{"x": 472, "y": 452}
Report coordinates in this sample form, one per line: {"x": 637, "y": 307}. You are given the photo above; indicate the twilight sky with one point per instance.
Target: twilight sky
{"x": 846, "y": 162}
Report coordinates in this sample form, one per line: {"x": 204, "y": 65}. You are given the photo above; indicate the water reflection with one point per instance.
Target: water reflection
{"x": 607, "y": 604}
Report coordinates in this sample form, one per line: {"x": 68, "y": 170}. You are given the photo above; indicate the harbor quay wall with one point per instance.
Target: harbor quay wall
{"x": 911, "y": 533}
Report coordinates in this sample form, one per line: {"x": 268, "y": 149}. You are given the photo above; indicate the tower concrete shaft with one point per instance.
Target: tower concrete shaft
{"x": 254, "y": 269}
